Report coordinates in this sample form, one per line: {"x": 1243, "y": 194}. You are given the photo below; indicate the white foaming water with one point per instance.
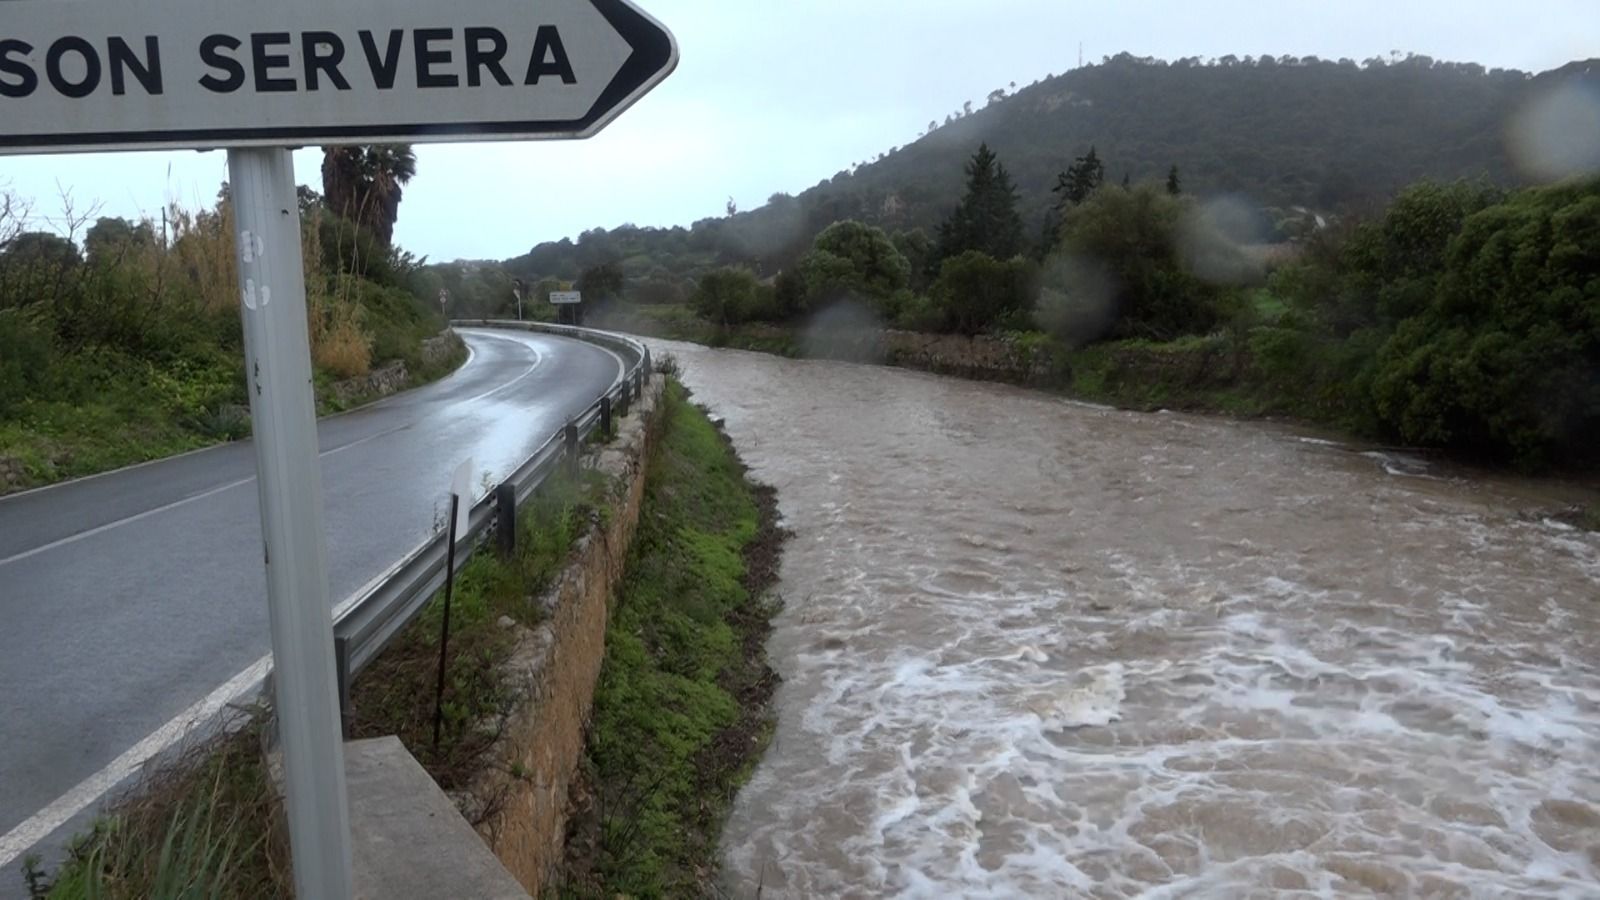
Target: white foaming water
{"x": 1036, "y": 649}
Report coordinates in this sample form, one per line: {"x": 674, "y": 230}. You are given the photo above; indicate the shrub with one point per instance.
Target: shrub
{"x": 974, "y": 291}
{"x": 727, "y": 296}
{"x": 1503, "y": 360}
{"x": 1135, "y": 241}
{"x": 25, "y": 354}
{"x": 852, "y": 259}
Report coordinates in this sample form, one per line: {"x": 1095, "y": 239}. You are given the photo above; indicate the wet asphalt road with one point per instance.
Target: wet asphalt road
{"x": 127, "y": 597}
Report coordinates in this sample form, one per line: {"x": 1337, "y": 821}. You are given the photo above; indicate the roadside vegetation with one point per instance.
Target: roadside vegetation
{"x": 206, "y": 823}
{"x": 121, "y": 342}
{"x": 681, "y": 712}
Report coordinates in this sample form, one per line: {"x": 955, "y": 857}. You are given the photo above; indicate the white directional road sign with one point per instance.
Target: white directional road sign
{"x": 142, "y": 74}
{"x": 566, "y": 297}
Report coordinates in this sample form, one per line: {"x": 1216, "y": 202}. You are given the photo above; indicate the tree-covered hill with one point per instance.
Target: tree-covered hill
{"x": 1331, "y": 136}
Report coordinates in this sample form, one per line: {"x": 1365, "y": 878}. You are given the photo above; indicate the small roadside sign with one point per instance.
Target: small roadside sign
{"x": 563, "y": 297}
{"x": 461, "y": 487}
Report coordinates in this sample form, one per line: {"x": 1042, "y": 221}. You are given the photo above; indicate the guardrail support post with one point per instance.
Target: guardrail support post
{"x": 605, "y": 416}
{"x": 570, "y": 436}
{"x": 505, "y": 504}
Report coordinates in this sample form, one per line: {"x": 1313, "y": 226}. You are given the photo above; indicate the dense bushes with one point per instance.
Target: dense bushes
{"x": 850, "y": 260}
{"x": 1135, "y": 253}
{"x": 975, "y": 292}
{"x": 133, "y": 348}
{"x": 1503, "y": 355}
{"x": 1458, "y": 320}
{"x": 730, "y": 297}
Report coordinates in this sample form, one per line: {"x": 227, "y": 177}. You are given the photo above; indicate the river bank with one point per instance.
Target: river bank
{"x": 1214, "y": 375}
{"x": 682, "y": 711}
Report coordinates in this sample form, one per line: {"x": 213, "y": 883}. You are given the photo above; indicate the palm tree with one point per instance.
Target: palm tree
{"x": 365, "y": 184}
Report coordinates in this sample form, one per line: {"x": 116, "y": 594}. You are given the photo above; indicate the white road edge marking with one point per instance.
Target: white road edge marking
{"x": 384, "y": 401}
{"x": 538, "y": 359}
{"x": 39, "y": 826}
{"x": 127, "y": 520}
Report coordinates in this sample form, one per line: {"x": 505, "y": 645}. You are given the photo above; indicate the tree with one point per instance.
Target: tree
{"x": 307, "y": 199}
{"x": 733, "y": 208}
{"x": 1127, "y": 181}
{"x": 1174, "y": 186}
{"x": 1080, "y": 180}
{"x": 40, "y": 250}
{"x": 849, "y": 258}
{"x": 974, "y": 291}
{"x": 789, "y": 292}
{"x": 1501, "y": 359}
{"x": 111, "y": 238}
{"x": 1136, "y": 238}
{"x": 364, "y": 184}
{"x": 727, "y": 296}
{"x": 918, "y": 249}
{"x": 601, "y": 283}
{"x": 986, "y": 219}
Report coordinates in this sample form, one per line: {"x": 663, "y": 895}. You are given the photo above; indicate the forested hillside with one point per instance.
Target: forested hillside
{"x": 1329, "y": 136}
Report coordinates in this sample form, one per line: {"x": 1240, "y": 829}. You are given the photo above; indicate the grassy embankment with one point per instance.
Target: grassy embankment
{"x": 129, "y": 348}
{"x": 683, "y": 695}
{"x": 681, "y": 713}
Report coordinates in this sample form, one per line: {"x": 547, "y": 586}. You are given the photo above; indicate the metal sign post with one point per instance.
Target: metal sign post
{"x": 288, "y": 476}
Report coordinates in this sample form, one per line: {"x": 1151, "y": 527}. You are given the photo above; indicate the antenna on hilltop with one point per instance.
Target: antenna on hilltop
{"x": 1080, "y": 54}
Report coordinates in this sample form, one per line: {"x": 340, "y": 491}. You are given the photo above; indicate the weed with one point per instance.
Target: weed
{"x": 204, "y": 824}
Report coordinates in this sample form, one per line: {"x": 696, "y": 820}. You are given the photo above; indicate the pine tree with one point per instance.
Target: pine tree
{"x": 1073, "y": 187}
{"x": 1174, "y": 186}
{"x": 987, "y": 219}
{"x": 1080, "y": 179}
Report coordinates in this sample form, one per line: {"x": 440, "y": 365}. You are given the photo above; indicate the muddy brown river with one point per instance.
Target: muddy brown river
{"x": 1037, "y": 648}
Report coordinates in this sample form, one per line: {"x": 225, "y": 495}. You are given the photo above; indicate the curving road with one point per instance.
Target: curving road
{"x": 128, "y": 597}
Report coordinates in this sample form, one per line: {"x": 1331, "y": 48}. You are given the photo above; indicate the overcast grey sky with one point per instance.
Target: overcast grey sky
{"x": 775, "y": 95}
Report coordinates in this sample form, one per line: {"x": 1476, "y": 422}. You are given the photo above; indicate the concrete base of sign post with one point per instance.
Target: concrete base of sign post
{"x": 408, "y": 840}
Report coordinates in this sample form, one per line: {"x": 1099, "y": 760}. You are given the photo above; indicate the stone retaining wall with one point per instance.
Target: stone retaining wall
{"x": 520, "y": 799}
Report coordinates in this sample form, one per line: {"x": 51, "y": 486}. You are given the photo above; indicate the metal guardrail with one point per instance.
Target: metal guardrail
{"x": 392, "y": 600}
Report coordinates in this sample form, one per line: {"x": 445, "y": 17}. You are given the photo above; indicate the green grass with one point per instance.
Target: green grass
{"x": 107, "y": 410}
{"x": 680, "y": 712}
{"x": 99, "y": 411}
{"x": 676, "y": 322}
